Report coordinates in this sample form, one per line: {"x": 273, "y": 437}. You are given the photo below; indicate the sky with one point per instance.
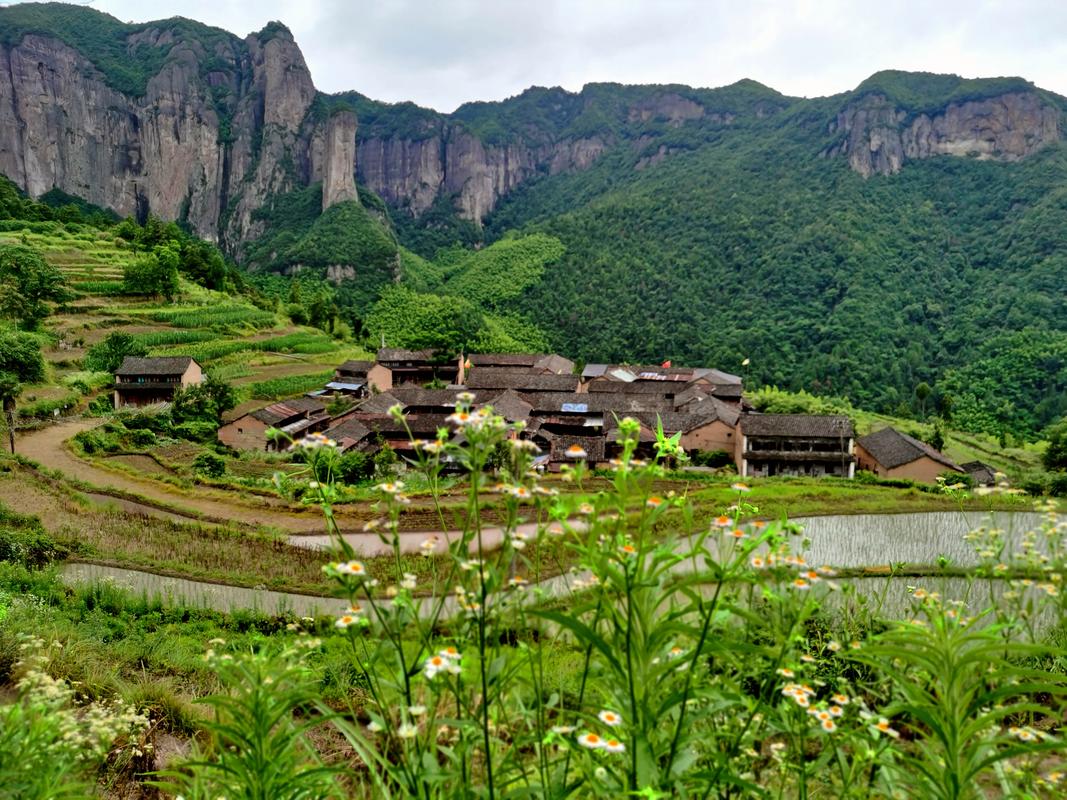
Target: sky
{"x": 442, "y": 53}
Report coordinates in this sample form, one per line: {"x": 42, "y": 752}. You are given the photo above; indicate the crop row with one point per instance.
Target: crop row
{"x": 223, "y": 316}
{"x": 307, "y": 343}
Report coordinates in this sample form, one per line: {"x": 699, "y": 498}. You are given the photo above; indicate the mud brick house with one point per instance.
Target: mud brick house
{"x": 295, "y": 418}
{"x": 795, "y": 444}
{"x": 143, "y": 381}
{"x": 888, "y": 453}
{"x": 396, "y": 367}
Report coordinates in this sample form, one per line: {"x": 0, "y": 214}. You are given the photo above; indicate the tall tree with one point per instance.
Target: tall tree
{"x": 20, "y": 362}
{"x": 27, "y": 281}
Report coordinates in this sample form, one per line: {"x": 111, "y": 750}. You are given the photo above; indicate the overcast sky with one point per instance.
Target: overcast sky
{"x": 441, "y": 53}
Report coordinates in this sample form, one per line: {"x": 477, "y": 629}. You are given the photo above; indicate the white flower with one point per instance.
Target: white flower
{"x": 614, "y": 746}
{"x": 609, "y": 718}
{"x": 409, "y": 581}
{"x": 416, "y": 711}
{"x": 591, "y": 740}
{"x": 407, "y": 731}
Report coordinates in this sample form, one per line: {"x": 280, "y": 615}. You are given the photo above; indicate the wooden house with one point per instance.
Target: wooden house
{"x": 795, "y": 444}
{"x": 144, "y": 381}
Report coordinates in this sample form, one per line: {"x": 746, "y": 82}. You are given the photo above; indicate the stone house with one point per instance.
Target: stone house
{"x": 296, "y": 418}
{"x": 144, "y": 381}
{"x": 795, "y": 444}
{"x": 888, "y": 453}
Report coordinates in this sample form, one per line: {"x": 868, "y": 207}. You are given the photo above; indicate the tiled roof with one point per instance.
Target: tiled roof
{"x": 503, "y": 359}
{"x": 418, "y": 396}
{"x": 814, "y": 425}
{"x": 634, "y": 387}
{"x": 555, "y": 364}
{"x": 593, "y": 446}
{"x": 159, "y": 365}
{"x": 355, "y": 367}
{"x": 400, "y": 354}
{"x": 710, "y": 407}
{"x": 510, "y": 405}
{"x": 279, "y": 412}
{"x": 348, "y": 433}
{"x": 377, "y": 403}
{"x": 603, "y": 402}
{"x": 891, "y": 448}
{"x": 506, "y": 378}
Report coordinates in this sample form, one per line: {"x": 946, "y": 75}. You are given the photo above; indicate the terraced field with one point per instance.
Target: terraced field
{"x": 259, "y": 350}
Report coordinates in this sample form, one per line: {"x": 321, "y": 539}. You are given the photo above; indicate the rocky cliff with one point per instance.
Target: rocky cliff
{"x": 879, "y": 135}
{"x": 207, "y": 145}
{"x": 217, "y": 126}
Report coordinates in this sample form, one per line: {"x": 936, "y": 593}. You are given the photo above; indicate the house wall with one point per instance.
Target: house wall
{"x": 381, "y": 378}
{"x": 244, "y": 433}
{"x": 715, "y": 435}
{"x": 143, "y": 397}
{"x": 192, "y": 375}
{"x": 923, "y": 469}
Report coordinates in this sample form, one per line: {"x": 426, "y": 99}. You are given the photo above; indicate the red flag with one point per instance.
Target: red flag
{"x": 666, "y": 364}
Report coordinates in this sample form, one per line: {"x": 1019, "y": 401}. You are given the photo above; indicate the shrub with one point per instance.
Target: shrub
{"x": 711, "y": 458}
{"x": 1057, "y": 484}
{"x": 355, "y": 467}
{"x": 196, "y": 431}
{"x": 30, "y": 546}
{"x": 141, "y": 437}
{"x": 210, "y": 465}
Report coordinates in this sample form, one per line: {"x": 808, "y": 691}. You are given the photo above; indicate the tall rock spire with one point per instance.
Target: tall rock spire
{"x": 338, "y": 177}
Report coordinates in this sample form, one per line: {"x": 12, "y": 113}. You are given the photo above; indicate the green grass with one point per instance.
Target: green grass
{"x": 276, "y": 388}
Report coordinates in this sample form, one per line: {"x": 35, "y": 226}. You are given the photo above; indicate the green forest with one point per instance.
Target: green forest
{"x": 731, "y": 232}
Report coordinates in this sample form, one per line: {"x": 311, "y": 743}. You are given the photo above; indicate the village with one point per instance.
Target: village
{"x": 569, "y": 414}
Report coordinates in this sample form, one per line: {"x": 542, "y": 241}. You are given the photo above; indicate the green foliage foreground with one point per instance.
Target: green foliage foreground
{"x": 714, "y": 665}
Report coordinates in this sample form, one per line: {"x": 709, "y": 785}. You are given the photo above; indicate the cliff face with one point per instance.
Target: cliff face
{"x": 225, "y": 124}
{"x": 880, "y": 136}
{"x": 414, "y": 173}
{"x": 166, "y": 153}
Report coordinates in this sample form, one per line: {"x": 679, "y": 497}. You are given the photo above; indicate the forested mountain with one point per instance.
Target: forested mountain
{"x": 909, "y": 231}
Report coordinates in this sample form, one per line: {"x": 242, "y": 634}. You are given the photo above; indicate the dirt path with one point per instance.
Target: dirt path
{"x": 47, "y": 447}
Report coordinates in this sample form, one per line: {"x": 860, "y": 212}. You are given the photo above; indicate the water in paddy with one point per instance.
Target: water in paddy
{"x": 870, "y": 540}
{"x": 198, "y": 594}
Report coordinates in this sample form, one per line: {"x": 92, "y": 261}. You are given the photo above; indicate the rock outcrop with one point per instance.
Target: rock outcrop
{"x": 206, "y": 147}
{"x": 226, "y": 124}
{"x": 338, "y": 176}
{"x": 879, "y": 137}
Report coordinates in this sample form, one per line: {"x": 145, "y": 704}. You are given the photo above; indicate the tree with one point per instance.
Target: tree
{"x": 106, "y": 356}
{"x": 922, "y": 392}
{"x": 1055, "y": 457}
{"x": 20, "y": 362}
{"x": 203, "y": 402}
{"x": 154, "y": 274}
{"x": 27, "y": 281}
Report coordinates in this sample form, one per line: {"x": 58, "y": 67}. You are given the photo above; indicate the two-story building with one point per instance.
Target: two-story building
{"x": 144, "y": 381}
{"x": 795, "y": 444}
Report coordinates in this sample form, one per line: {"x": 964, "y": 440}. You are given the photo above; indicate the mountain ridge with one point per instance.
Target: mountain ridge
{"x": 256, "y": 90}
{"x": 858, "y": 244}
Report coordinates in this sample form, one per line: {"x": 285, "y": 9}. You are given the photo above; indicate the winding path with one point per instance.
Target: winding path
{"x": 47, "y": 446}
